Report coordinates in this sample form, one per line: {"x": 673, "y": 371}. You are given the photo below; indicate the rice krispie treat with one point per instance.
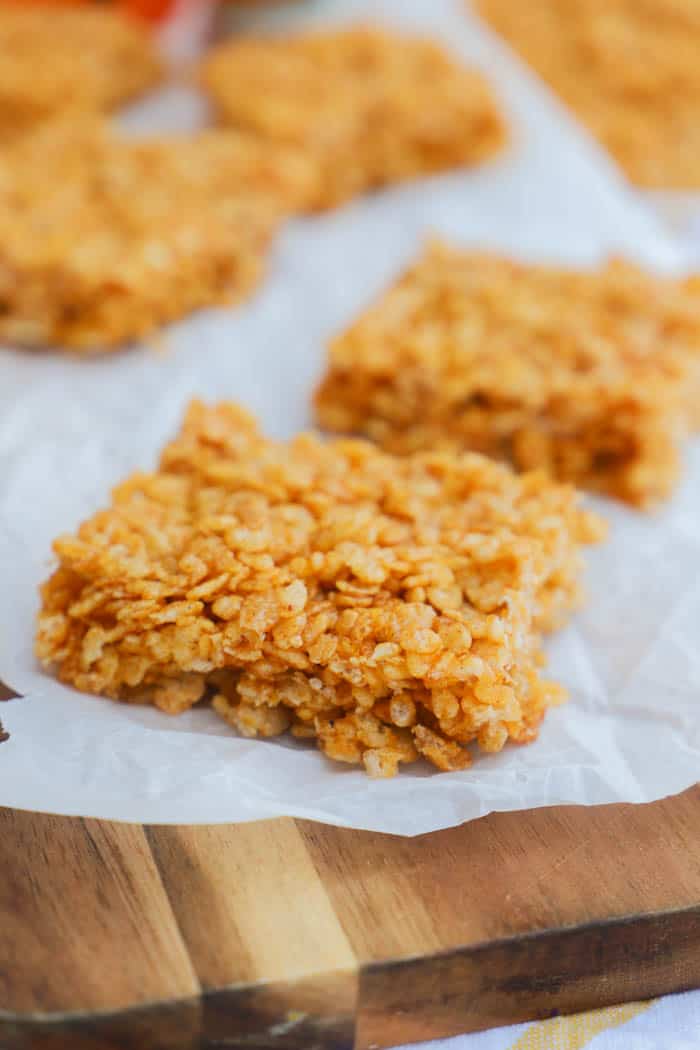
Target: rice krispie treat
{"x": 369, "y": 106}
{"x": 54, "y": 59}
{"x": 628, "y": 68}
{"x": 591, "y": 376}
{"x": 104, "y": 238}
{"x": 387, "y": 607}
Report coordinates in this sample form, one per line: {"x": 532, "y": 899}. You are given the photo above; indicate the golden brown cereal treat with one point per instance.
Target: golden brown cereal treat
{"x": 388, "y": 607}
{"x": 370, "y": 107}
{"x": 628, "y": 68}
{"x": 591, "y": 376}
{"x": 103, "y": 238}
{"x": 55, "y": 59}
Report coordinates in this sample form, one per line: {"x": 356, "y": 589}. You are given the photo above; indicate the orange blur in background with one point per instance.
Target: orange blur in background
{"x": 153, "y": 10}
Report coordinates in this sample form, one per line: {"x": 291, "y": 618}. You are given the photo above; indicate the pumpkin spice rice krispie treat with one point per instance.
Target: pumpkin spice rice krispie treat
{"x": 591, "y": 376}
{"x": 104, "y": 238}
{"x": 387, "y": 607}
{"x": 370, "y": 107}
{"x": 629, "y": 69}
{"x": 56, "y": 59}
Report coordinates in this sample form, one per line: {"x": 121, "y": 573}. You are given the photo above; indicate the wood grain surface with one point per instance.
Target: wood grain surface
{"x": 288, "y": 934}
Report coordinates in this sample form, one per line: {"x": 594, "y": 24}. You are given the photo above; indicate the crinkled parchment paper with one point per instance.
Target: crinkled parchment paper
{"x": 70, "y": 429}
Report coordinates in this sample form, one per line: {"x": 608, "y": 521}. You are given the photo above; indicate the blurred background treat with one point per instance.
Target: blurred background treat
{"x": 630, "y": 71}
{"x": 370, "y": 106}
{"x": 57, "y": 58}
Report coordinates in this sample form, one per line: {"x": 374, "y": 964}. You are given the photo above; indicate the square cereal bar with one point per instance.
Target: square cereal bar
{"x": 387, "y": 607}
{"x": 55, "y": 59}
{"x": 105, "y": 238}
{"x": 592, "y": 376}
{"x": 370, "y": 107}
{"x": 630, "y": 71}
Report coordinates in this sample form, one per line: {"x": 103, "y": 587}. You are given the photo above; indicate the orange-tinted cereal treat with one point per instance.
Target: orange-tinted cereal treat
{"x": 368, "y": 106}
{"x": 103, "y": 239}
{"x": 55, "y": 60}
{"x": 387, "y": 607}
{"x": 591, "y": 376}
{"x": 628, "y": 68}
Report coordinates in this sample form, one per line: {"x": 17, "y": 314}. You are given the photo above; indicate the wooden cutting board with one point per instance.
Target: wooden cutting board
{"x": 288, "y": 934}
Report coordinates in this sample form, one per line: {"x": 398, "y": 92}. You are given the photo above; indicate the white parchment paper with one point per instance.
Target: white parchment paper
{"x": 70, "y": 429}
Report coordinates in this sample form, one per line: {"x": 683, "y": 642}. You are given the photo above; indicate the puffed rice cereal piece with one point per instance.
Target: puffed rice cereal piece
{"x": 591, "y": 376}
{"x": 370, "y": 107}
{"x": 386, "y": 607}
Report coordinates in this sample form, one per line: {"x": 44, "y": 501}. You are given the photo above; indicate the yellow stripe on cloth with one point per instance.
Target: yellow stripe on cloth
{"x": 573, "y": 1033}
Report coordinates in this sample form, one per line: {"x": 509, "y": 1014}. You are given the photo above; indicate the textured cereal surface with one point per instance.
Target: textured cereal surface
{"x": 592, "y": 376}
{"x": 385, "y": 607}
{"x": 370, "y": 107}
{"x": 55, "y": 59}
{"x": 103, "y": 238}
{"x": 628, "y": 68}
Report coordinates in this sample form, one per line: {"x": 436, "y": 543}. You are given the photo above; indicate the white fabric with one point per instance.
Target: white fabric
{"x": 672, "y": 1023}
